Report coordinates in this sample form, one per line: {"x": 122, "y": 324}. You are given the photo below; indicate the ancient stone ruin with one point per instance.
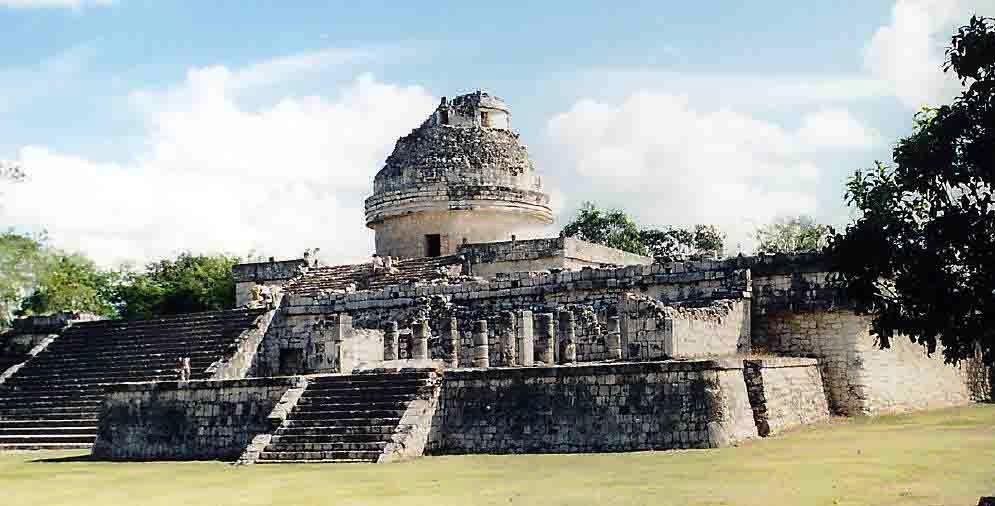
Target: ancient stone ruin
{"x": 466, "y": 334}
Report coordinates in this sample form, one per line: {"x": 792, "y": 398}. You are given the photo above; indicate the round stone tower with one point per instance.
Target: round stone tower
{"x": 462, "y": 176}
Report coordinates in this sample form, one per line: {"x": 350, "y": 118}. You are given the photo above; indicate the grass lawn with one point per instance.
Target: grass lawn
{"x": 939, "y": 458}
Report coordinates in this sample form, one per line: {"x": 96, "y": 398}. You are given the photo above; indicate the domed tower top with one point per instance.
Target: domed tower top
{"x": 462, "y": 176}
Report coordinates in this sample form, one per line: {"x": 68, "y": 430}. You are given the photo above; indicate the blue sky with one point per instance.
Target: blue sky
{"x": 152, "y": 127}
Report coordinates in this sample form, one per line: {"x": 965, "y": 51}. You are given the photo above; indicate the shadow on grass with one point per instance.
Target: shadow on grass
{"x": 72, "y": 458}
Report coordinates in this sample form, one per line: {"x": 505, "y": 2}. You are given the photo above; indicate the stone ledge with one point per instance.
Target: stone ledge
{"x": 782, "y": 362}
{"x": 287, "y": 381}
{"x": 595, "y": 369}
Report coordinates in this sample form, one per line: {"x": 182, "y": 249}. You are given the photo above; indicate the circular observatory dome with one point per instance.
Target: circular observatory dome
{"x": 462, "y": 176}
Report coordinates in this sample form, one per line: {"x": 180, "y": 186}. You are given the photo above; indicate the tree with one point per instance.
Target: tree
{"x": 708, "y": 241}
{"x": 612, "y": 228}
{"x": 70, "y": 282}
{"x": 920, "y": 257}
{"x": 669, "y": 244}
{"x": 188, "y": 284}
{"x": 675, "y": 243}
{"x": 794, "y": 234}
{"x": 36, "y": 278}
{"x": 21, "y": 258}
{"x": 615, "y": 229}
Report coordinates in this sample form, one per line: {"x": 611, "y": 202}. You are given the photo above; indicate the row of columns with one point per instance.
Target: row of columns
{"x": 420, "y": 333}
{"x": 517, "y": 345}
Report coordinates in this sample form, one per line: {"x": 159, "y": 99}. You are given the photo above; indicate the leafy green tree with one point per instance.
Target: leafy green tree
{"x": 794, "y": 234}
{"x": 616, "y": 229}
{"x": 920, "y": 257}
{"x": 708, "y": 241}
{"x": 667, "y": 245}
{"x": 676, "y": 243}
{"x": 612, "y": 228}
{"x": 70, "y": 282}
{"x": 21, "y": 259}
{"x": 187, "y": 284}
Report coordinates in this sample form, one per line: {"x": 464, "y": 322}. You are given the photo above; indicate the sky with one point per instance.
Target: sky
{"x": 148, "y": 128}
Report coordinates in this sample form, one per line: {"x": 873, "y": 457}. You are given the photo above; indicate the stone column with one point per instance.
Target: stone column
{"x": 419, "y": 340}
{"x": 568, "y": 338}
{"x": 614, "y": 338}
{"x": 481, "y": 352}
{"x": 506, "y": 335}
{"x": 390, "y": 343}
{"x": 526, "y": 346}
{"x": 546, "y": 328}
{"x": 453, "y": 339}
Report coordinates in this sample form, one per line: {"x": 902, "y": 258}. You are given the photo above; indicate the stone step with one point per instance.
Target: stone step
{"x": 60, "y": 412}
{"x": 362, "y": 421}
{"x": 184, "y": 317}
{"x": 376, "y": 446}
{"x": 169, "y": 326}
{"x": 367, "y": 456}
{"x": 44, "y": 446}
{"x": 188, "y": 338}
{"x": 49, "y": 429}
{"x": 122, "y": 361}
{"x": 318, "y": 461}
{"x": 113, "y": 352}
{"x": 400, "y": 376}
{"x": 330, "y": 430}
{"x": 49, "y": 404}
{"x": 53, "y": 396}
{"x": 97, "y": 376}
{"x": 43, "y": 437}
{"x": 281, "y": 438}
{"x": 35, "y": 389}
{"x": 34, "y": 423}
{"x": 324, "y": 403}
{"x": 337, "y": 414}
{"x": 385, "y": 389}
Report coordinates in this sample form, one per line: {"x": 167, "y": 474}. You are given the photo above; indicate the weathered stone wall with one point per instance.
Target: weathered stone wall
{"x": 315, "y": 342}
{"x": 404, "y": 236}
{"x": 652, "y": 330}
{"x": 239, "y": 363}
{"x": 859, "y": 377}
{"x": 268, "y": 274}
{"x": 536, "y": 291}
{"x": 592, "y": 408}
{"x": 196, "y": 420}
{"x": 784, "y": 393}
{"x": 532, "y": 255}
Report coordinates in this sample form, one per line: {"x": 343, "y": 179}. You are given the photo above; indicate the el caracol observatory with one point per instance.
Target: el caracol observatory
{"x": 463, "y": 176}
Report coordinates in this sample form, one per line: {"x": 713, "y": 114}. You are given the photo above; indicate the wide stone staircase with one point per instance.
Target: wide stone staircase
{"x": 53, "y": 401}
{"x": 346, "y": 418}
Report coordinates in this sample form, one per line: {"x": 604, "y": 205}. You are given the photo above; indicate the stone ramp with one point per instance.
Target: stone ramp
{"x": 53, "y": 401}
{"x": 354, "y": 418}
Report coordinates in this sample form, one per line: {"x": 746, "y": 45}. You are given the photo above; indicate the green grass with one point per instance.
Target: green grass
{"x": 944, "y": 458}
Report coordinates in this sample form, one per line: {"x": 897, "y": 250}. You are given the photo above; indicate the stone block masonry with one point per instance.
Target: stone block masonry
{"x": 196, "y": 420}
{"x": 784, "y": 393}
{"x": 593, "y": 408}
{"x": 860, "y": 378}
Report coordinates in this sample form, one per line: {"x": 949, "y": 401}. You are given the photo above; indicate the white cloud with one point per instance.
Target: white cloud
{"x": 835, "y": 128}
{"x": 216, "y": 176}
{"x": 658, "y": 157}
{"x": 45, "y": 4}
{"x": 908, "y": 53}
{"x": 739, "y": 90}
